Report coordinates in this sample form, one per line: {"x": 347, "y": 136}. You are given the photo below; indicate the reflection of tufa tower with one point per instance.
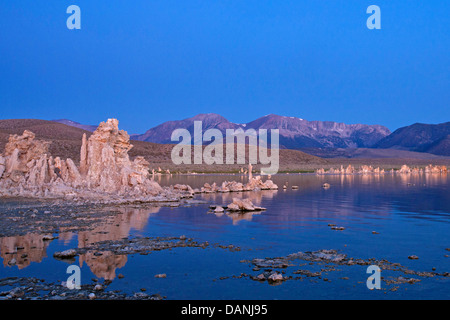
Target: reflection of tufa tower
{"x": 20, "y": 251}
{"x": 105, "y": 265}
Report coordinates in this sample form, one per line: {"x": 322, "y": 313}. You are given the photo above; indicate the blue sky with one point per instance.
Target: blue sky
{"x": 150, "y": 61}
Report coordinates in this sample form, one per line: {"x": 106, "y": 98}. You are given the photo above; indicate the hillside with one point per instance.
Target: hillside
{"x": 66, "y": 140}
{"x": 371, "y": 153}
{"x": 440, "y": 147}
{"x": 431, "y": 138}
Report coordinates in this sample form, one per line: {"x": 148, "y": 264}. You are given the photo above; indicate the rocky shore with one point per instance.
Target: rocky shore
{"x": 16, "y": 288}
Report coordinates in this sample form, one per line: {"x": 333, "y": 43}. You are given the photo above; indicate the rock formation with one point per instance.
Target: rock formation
{"x": 105, "y": 173}
{"x": 404, "y": 169}
{"x": 255, "y": 184}
{"x": 243, "y": 205}
{"x": 370, "y": 170}
{"x": 107, "y": 166}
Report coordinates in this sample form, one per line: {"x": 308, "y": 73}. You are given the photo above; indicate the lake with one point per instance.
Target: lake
{"x": 386, "y": 217}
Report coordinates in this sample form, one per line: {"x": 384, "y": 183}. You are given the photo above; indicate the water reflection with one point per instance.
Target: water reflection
{"x": 227, "y": 197}
{"x": 20, "y": 251}
{"x": 420, "y": 195}
{"x": 237, "y": 217}
{"x": 105, "y": 266}
{"x": 423, "y": 194}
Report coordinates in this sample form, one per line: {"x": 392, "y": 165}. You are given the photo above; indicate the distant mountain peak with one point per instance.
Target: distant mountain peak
{"x": 65, "y": 121}
{"x": 75, "y": 124}
{"x": 207, "y": 116}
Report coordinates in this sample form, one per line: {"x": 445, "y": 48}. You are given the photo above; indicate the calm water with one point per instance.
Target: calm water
{"x": 411, "y": 213}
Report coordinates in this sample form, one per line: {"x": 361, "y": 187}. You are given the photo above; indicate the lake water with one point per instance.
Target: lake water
{"x": 409, "y": 213}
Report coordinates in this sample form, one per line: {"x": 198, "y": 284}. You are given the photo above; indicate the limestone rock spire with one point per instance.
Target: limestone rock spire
{"x": 83, "y": 156}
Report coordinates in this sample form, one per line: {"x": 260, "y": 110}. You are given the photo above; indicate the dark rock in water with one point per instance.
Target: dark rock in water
{"x": 308, "y": 273}
{"x": 403, "y": 280}
{"x": 67, "y": 254}
{"x": 156, "y": 296}
{"x": 16, "y": 293}
{"x": 260, "y": 277}
{"x": 328, "y": 259}
{"x": 413, "y": 257}
{"x": 329, "y": 255}
{"x": 271, "y": 263}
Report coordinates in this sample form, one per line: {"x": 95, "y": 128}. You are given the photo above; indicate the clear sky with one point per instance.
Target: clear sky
{"x": 149, "y": 61}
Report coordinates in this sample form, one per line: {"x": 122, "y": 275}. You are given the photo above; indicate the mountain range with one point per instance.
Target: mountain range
{"x": 317, "y": 137}
{"x": 295, "y": 133}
